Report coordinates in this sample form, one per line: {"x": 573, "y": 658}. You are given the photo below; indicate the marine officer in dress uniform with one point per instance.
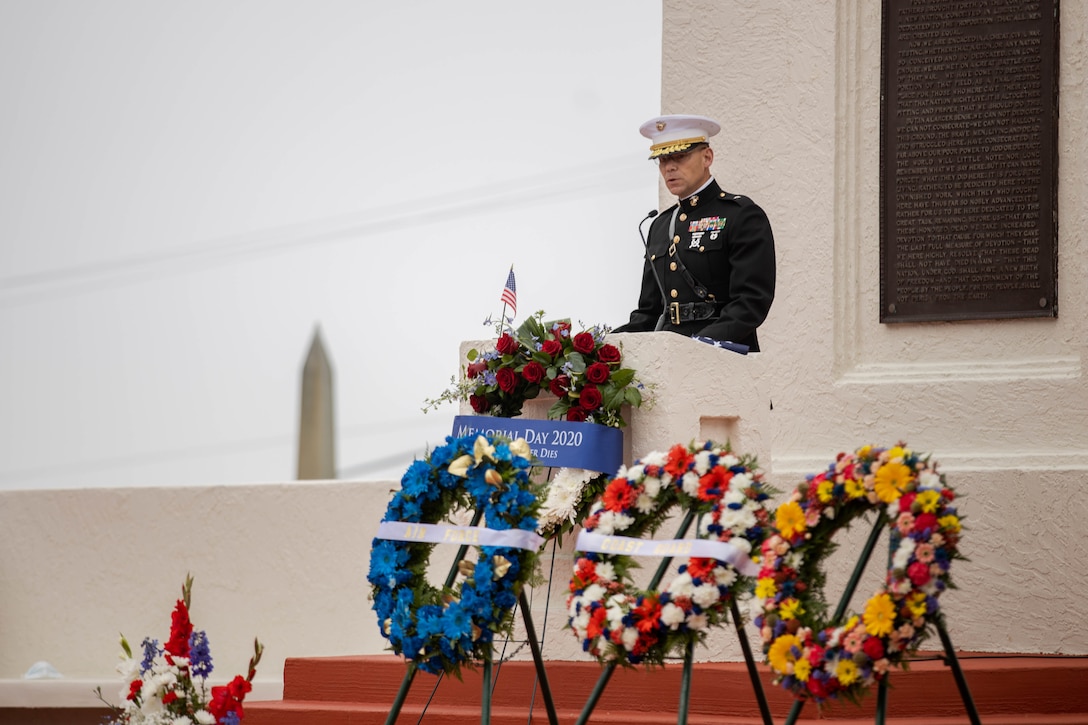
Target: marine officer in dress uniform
{"x": 710, "y": 265}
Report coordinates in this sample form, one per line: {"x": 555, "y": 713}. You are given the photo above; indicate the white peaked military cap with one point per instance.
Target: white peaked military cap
{"x": 676, "y": 133}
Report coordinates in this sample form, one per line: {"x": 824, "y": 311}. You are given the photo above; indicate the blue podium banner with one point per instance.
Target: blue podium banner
{"x": 559, "y": 443}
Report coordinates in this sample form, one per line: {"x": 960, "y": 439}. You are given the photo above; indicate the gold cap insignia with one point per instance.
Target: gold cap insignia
{"x": 660, "y": 125}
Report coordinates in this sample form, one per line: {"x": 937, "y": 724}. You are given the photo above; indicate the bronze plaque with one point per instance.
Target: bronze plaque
{"x": 968, "y": 160}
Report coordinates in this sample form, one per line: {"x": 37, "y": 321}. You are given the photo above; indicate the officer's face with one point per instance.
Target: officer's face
{"x": 687, "y": 171}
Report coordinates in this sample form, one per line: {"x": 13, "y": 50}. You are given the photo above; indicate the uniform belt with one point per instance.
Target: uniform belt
{"x": 692, "y": 311}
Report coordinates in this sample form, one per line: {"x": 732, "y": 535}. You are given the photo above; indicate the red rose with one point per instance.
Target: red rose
{"x": 506, "y": 345}
{"x": 506, "y": 379}
{"x": 608, "y": 354}
{"x": 533, "y": 372}
{"x": 918, "y": 573}
{"x": 873, "y": 647}
{"x": 584, "y": 343}
{"x": 590, "y": 398}
{"x": 597, "y": 373}
{"x": 551, "y": 348}
{"x": 559, "y": 386}
{"x": 476, "y": 368}
{"x": 180, "y": 630}
{"x": 479, "y": 403}
{"x": 576, "y": 415}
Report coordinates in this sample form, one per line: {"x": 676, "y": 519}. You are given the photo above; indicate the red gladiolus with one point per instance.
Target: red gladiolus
{"x": 181, "y": 628}
{"x": 228, "y": 698}
{"x": 583, "y": 342}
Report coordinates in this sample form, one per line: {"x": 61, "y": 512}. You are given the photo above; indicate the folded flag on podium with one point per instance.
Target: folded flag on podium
{"x": 510, "y": 293}
{"x": 724, "y": 344}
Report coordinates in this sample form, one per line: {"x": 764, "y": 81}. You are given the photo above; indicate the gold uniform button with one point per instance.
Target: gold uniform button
{"x": 702, "y": 249}
{"x": 653, "y": 257}
{"x": 694, "y": 200}
{"x": 722, "y": 195}
{"x": 683, "y": 217}
{"x": 672, "y": 266}
{"x": 673, "y": 294}
{"x": 676, "y": 239}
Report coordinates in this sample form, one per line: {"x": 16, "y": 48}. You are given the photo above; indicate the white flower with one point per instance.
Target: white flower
{"x": 654, "y": 458}
{"x": 928, "y": 480}
{"x": 605, "y": 571}
{"x": 725, "y": 576}
{"x": 652, "y": 486}
{"x": 728, "y": 460}
{"x": 794, "y": 559}
{"x": 740, "y": 481}
{"x": 682, "y": 585}
{"x": 593, "y": 592}
{"x": 629, "y": 638}
{"x": 741, "y": 544}
{"x": 702, "y": 462}
{"x": 903, "y": 553}
{"x": 606, "y": 523}
{"x": 634, "y": 472}
{"x": 705, "y": 595}
{"x": 203, "y": 717}
{"x": 672, "y": 615}
{"x": 622, "y": 522}
{"x": 581, "y": 623}
{"x": 645, "y": 503}
{"x": 615, "y": 617}
{"x": 690, "y": 483}
{"x": 738, "y": 520}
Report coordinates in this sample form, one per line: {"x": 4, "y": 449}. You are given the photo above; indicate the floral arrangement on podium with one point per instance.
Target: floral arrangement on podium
{"x": 167, "y": 684}
{"x": 583, "y": 372}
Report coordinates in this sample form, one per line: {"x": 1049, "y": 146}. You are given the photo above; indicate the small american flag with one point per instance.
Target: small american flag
{"x": 510, "y": 293}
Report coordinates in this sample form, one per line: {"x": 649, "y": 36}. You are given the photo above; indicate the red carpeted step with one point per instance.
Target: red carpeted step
{"x": 360, "y": 691}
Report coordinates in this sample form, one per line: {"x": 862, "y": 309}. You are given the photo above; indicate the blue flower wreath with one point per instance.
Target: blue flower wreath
{"x": 440, "y": 629}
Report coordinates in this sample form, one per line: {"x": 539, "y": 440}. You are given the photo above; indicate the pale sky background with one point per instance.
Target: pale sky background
{"x": 188, "y": 189}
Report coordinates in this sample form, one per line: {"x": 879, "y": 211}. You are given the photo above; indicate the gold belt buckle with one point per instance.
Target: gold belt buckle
{"x": 674, "y": 312}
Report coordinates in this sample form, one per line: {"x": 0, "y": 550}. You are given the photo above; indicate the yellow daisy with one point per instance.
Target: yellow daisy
{"x": 917, "y": 604}
{"x": 790, "y": 609}
{"x": 891, "y": 481}
{"x": 790, "y": 519}
{"x": 823, "y": 491}
{"x": 783, "y": 652}
{"x": 929, "y": 501}
{"x": 846, "y": 671}
{"x": 854, "y": 488}
{"x": 802, "y": 669}
{"x": 951, "y": 522}
{"x": 879, "y": 615}
{"x": 765, "y": 588}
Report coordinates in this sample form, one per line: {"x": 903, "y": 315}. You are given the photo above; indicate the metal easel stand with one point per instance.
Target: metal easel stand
{"x": 685, "y": 681}
{"x": 485, "y": 699}
{"x": 882, "y": 687}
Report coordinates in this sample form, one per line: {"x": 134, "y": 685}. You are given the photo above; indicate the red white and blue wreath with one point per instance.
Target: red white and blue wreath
{"x": 614, "y": 619}
{"x": 441, "y": 629}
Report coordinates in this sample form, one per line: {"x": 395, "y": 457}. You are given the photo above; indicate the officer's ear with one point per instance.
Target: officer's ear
{"x": 708, "y": 157}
